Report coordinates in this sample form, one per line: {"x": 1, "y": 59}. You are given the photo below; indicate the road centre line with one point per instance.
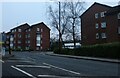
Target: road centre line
{"x": 28, "y": 74}
{"x": 62, "y": 69}
{"x": 33, "y": 66}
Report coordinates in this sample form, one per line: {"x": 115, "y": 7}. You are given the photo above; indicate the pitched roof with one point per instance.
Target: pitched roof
{"x": 96, "y": 4}
{"x": 21, "y": 26}
{"x": 113, "y": 10}
{"x": 39, "y": 24}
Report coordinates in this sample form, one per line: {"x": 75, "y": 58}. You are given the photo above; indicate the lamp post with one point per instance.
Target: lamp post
{"x": 60, "y": 45}
{"x": 59, "y": 28}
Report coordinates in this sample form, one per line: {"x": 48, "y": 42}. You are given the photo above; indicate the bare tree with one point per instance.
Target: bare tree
{"x": 69, "y": 15}
{"x": 74, "y": 12}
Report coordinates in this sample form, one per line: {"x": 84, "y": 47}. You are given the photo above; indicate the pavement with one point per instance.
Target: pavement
{"x": 85, "y": 58}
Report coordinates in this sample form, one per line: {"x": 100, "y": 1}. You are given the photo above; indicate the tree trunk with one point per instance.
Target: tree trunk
{"x": 74, "y": 33}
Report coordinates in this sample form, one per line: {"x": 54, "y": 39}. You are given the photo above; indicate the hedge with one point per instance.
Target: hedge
{"x": 108, "y": 50}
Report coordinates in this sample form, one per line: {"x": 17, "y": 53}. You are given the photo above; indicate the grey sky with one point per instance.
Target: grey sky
{"x": 14, "y": 13}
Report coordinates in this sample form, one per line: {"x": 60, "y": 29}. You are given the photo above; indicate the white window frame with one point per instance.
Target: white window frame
{"x": 28, "y": 41}
{"x": 19, "y": 47}
{"x": 96, "y": 15}
{"x": 12, "y": 30}
{"x": 102, "y": 14}
{"x": 38, "y": 40}
{"x": 96, "y": 25}
{"x": 97, "y": 35}
{"x": 29, "y": 29}
{"x": 19, "y": 30}
{"x": 103, "y": 35}
{"x": 15, "y": 30}
{"x": 19, "y": 35}
{"x": 38, "y": 29}
{"x": 19, "y": 41}
{"x": 103, "y": 25}
{"x": 41, "y": 30}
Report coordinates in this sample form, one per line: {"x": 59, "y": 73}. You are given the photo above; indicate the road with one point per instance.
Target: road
{"x": 34, "y": 65}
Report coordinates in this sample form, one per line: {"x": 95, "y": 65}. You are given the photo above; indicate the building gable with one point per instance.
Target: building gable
{"x": 94, "y": 5}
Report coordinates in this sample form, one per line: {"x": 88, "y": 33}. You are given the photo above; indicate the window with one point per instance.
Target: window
{"x": 12, "y": 30}
{"x": 28, "y": 35}
{"x": 19, "y": 30}
{"x": 96, "y": 15}
{"x": 97, "y": 36}
{"x": 37, "y": 48}
{"x": 38, "y": 40}
{"x": 118, "y": 30}
{"x": 11, "y": 45}
{"x": 28, "y": 41}
{"x": 103, "y": 25}
{"x": 41, "y": 30}
{"x": 15, "y": 30}
{"x": 19, "y": 47}
{"x": 38, "y": 29}
{"x": 41, "y": 35}
{"x": 102, "y": 14}
{"x": 7, "y": 36}
{"x": 41, "y": 47}
{"x": 19, "y": 42}
{"x": 28, "y": 29}
{"x": 7, "y": 42}
{"x": 96, "y": 25}
{"x": 11, "y": 38}
{"x": 118, "y": 15}
{"x": 19, "y": 35}
{"x": 103, "y": 35}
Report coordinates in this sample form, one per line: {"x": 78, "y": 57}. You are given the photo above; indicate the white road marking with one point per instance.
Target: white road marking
{"x": 33, "y": 66}
{"x": 31, "y": 58}
{"x": 28, "y": 74}
{"x": 52, "y": 76}
{"x": 62, "y": 69}
{"x": 1, "y": 61}
{"x": 20, "y": 61}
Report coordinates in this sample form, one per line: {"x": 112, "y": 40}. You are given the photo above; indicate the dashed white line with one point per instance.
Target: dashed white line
{"x": 28, "y": 74}
{"x": 62, "y": 69}
{"x": 33, "y": 66}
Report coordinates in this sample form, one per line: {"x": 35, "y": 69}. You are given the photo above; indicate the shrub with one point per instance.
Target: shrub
{"x": 108, "y": 50}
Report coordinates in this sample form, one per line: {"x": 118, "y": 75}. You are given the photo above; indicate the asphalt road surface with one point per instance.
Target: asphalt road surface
{"x": 40, "y": 65}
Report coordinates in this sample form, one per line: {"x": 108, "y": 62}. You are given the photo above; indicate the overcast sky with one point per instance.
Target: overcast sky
{"x": 14, "y": 13}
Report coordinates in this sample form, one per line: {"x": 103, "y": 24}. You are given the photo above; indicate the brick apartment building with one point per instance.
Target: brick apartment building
{"x": 26, "y": 37}
{"x": 100, "y": 24}
{"x": 37, "y": 37}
